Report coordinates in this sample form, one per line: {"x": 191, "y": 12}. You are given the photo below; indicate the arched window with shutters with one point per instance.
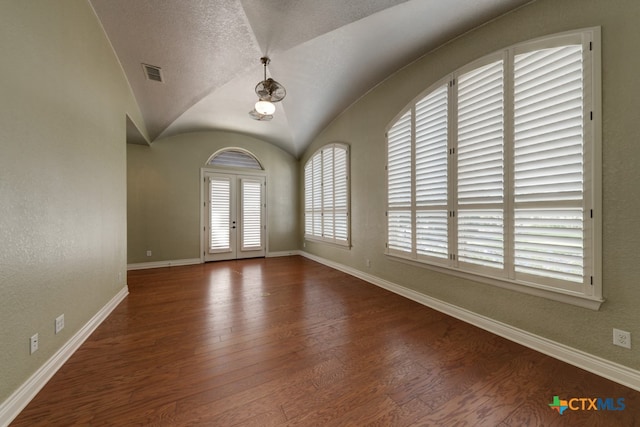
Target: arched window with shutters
{"x": 493, "y": 171}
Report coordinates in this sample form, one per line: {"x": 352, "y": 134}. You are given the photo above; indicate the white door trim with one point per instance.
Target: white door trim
{"x": 204, "y": 214}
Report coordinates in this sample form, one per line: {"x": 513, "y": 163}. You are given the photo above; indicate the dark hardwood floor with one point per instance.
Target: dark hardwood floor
{"x": 287, "y": 341}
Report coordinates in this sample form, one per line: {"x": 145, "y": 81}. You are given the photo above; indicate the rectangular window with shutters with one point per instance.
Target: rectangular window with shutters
{"x": 326, "y": 195}
{"x": 492, "y": 172}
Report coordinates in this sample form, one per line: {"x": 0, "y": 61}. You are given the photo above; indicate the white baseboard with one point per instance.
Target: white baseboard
{"x": 282, "y": 253}
{"x": 193, "y": 261}
{"x": 158, "y": 264}
{"x": 10, "y": 408}
{"x": 610, "y": 370}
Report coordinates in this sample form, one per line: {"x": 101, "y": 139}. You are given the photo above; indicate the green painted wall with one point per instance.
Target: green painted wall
{"x": 63, "y": 103}
{"x": 164, "y": 194}
{"x": 363, "y": 126}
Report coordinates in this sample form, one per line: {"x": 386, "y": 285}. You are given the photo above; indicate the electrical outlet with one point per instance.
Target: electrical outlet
{"x": 59, "y": 323}
{"x": 622, "y": 338}
{"x": 148, "y": 253}
{"x": 33, "y": 341}
{"x": 368, "y": 262}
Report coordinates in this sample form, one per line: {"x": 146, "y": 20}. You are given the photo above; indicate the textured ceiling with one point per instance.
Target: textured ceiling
{"x": 326, "y": 53}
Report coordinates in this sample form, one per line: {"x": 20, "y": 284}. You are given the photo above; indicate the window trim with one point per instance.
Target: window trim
{"x": 591, "y": 297}
{"x": 346, "y": 243}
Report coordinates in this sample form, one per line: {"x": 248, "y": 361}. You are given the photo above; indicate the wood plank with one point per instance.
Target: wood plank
{"x": 287, "y": 341}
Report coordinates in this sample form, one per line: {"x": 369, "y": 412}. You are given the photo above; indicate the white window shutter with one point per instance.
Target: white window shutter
{"x": 399, "y": 185}
{"x": 480, "y": 161}
{"x": 327, "y": 192}
{"x": 481, "y": 237}
{"x": 341, "y": 193}
{"x": 399, "y": 162}
{"x": 549, "y": 243}
{"x": 317, "y": 195}
{"x": 220, "y": 214}
{"x": 399, "y": 231}
{"x": 548, "y": 165}
{"x": 431, "y": 177}
{"x": 308, "y": 199}
{"x": 432, "y": 233}
{"x": 251, "y": 214}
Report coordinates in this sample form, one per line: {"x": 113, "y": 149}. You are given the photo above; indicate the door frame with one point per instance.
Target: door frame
{"x": 204, "y": 197}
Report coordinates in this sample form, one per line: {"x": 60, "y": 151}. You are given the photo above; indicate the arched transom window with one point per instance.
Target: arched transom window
{"x": 234, "y": 158}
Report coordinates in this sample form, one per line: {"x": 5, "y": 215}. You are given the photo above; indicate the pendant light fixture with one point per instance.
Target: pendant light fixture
{"x": 269, "y": 91}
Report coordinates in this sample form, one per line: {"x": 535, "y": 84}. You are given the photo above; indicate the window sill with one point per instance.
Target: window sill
{"x": 339, "y": 244}
{"x": 591, "y": 303}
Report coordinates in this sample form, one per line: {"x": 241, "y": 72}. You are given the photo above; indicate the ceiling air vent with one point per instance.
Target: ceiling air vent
{"x": 152, "y": 72}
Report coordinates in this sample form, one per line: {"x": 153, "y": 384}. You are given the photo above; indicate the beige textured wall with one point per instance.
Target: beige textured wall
{"x": 363, "y": 126}
{"x": 63, "y": 101}
{"x": 163, "y": 201}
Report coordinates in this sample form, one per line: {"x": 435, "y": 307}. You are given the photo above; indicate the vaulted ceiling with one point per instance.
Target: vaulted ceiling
{"x": 327, "y": 54}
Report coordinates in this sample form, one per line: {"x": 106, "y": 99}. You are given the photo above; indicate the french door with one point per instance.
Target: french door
{"x": 234, "y": 216}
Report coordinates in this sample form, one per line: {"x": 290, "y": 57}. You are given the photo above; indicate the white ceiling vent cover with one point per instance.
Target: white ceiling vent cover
{"x": 152, "y": 72}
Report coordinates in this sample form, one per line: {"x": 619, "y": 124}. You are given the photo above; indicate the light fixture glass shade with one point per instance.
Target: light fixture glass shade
{"x": 265, "y": 107}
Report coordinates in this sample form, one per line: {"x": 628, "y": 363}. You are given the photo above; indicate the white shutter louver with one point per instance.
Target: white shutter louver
{"x": 308, "y": 199}
{"x": 327, "y": 192}
{"x": 220, "y": 214}
{"x": 480, "y": 179}
{"x": 341, "y": 193}
{"x": 549, "y": 243}
{"x": 432, "y": 233}
{"x": 399, "y": 225}
{"x": 399, "y": 162}
{"x": 431, "y": 186}
{"x": 317, "y": 195}
{"x": 399, "y": 178}
{"x": 481, "y": 135}
{"x": 548, "y": 165}
{"x": 251, "y": 214}
{"x": 481, "y": 237}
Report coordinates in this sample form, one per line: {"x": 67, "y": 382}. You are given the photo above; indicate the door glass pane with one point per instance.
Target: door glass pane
{"x": 220, "y": 193}
{"x": 251, "y": 214}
